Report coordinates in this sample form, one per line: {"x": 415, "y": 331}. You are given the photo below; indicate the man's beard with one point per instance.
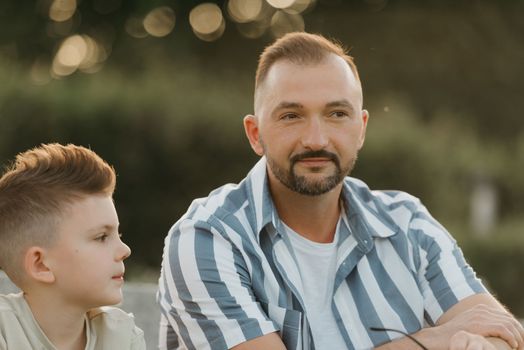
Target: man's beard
{"x": 301, "y": 184}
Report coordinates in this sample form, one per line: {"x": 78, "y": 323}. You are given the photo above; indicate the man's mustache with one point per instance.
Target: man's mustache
{"x": 315, "y": 154}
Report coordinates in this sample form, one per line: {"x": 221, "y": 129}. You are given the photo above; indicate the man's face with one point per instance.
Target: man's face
{"x": 309, "y": 124}
{"x": 87, "y": 258}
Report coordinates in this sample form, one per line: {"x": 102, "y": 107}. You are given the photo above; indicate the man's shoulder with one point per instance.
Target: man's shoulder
{"x": 390, "y": 210}
{"x": 219, "y": 203}
{"x": 385, "y": 198}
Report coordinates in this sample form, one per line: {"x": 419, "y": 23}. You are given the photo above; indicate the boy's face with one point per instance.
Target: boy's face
{"x": 87, "y": 258}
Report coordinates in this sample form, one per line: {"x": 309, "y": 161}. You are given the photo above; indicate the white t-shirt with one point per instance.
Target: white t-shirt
{"x": 107, "y": 328}
{"x": 317, "y": 265}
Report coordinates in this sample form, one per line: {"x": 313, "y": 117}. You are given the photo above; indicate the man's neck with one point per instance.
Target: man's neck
{"x": 313, "y": 217}
{"x": 63, "y": 325}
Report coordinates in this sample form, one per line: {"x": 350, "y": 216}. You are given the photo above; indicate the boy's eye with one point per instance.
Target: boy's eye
{"x": 102, "y": 237}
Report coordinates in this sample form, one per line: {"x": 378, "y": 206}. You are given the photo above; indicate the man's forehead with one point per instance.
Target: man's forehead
{"x": 289, "y": 71}
{"x": 286, "y": 71}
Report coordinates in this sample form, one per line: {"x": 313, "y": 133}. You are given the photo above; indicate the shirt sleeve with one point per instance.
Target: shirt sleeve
{"x": 138, "y": 342}
{"x": 444, "y": 275}
{"x": 205, "y": 292}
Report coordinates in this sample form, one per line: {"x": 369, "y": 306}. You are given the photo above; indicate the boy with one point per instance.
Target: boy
{"x": 59, "y": 243}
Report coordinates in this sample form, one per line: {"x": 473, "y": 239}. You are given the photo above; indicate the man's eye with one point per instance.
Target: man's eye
{"x": 339, "y": 114}
{"x": 289, "y": 116}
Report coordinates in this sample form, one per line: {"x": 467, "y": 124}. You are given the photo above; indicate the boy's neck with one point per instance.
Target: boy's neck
{"x": 63, "y": 324}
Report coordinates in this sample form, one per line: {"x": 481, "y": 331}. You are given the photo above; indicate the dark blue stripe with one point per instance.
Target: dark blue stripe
{"x": 343, "y": 329}
{"x": 267, "y": 247}
{"x": 396, "y": 300}
{"x": 217, "y": 289}
{"x": 434, "y": 274}
{"x": 180, "y": 286}
{"x": 468, "y": 272}
{"x": 290, "y": 332}
{"x": 365, "y": 308}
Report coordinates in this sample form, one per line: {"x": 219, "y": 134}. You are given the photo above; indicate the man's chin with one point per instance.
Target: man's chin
{"x": 313, "y": 178}
{"x": 315, "y": 187}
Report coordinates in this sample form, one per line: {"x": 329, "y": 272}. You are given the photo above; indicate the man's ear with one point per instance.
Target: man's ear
{"x": 252, "y": 133}
{"x": 35, "y": 265}
{"x": 365, "y": 118}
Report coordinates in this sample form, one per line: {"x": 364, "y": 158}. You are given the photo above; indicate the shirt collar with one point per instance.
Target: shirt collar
{"x": 367, "y": 216}
{"x": 262, "y": 207}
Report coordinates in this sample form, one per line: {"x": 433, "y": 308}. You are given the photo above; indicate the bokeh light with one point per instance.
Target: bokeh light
{"x": 282, "y": 23}
{"x": 300, "y": 6}
{"x": 62, "y": 10}
{"x": 280, "y": 4}
{"x": 160, "y": 21}
{"x": 78, "y": 52}
{"x": 243, "y": 11}
{"x": 207, "y": 21}
{"x": 72, "y": 51}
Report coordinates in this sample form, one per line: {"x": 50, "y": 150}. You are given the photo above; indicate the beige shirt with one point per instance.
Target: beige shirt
{"x": 107, "y": 328}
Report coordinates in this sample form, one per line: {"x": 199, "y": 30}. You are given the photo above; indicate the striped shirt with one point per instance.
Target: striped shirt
{"x": 229, "y": 272}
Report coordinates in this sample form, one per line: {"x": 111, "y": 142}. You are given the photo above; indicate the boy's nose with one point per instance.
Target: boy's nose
{"x": 124, "y": 251}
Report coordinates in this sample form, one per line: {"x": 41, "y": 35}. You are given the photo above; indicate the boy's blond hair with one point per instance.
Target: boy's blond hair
{"x": 35, "y": 192}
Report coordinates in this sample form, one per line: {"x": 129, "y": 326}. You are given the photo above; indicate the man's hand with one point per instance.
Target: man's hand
{"x": 468, "y": 341}
{"x": 476, "y": 322}
{"x": 487, "y": 321}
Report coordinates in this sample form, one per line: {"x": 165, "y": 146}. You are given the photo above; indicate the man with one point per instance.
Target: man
{"x": 300, "y": 256}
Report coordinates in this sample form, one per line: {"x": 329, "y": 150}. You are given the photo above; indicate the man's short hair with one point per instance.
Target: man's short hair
{"x": 37, "y": 189}
{"x": 300, "y": 48}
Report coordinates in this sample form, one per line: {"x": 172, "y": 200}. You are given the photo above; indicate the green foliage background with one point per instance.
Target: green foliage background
{"x": 443, "y": 81}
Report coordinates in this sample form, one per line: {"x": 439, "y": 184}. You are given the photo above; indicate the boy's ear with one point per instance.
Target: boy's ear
{"x": 35, "y": 266}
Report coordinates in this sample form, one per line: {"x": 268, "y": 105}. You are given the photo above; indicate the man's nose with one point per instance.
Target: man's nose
{"x": 315, "y": 134}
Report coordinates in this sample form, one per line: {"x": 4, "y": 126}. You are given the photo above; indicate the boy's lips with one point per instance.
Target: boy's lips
{"x": 118, "y": 277}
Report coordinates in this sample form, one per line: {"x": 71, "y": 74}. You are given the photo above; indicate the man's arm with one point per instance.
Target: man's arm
{"x": 205, "y": 292}
{"x": 460, "y": 328}
{"x": 269, "y": 341}
{"x": 477, "y": 322}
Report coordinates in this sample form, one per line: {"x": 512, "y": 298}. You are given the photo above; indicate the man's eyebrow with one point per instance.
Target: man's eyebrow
{"x": 340, "y": 103}
{"x": 286, "y": 104}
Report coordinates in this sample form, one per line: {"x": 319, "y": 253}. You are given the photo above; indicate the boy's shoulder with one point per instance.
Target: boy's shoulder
{"x": 110, "y": 317}
{"x": 18, "y": 328}
{"x": 116, "y": 325}
{"x": 11, "y": 303}
{"x": 110, "y": 312}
